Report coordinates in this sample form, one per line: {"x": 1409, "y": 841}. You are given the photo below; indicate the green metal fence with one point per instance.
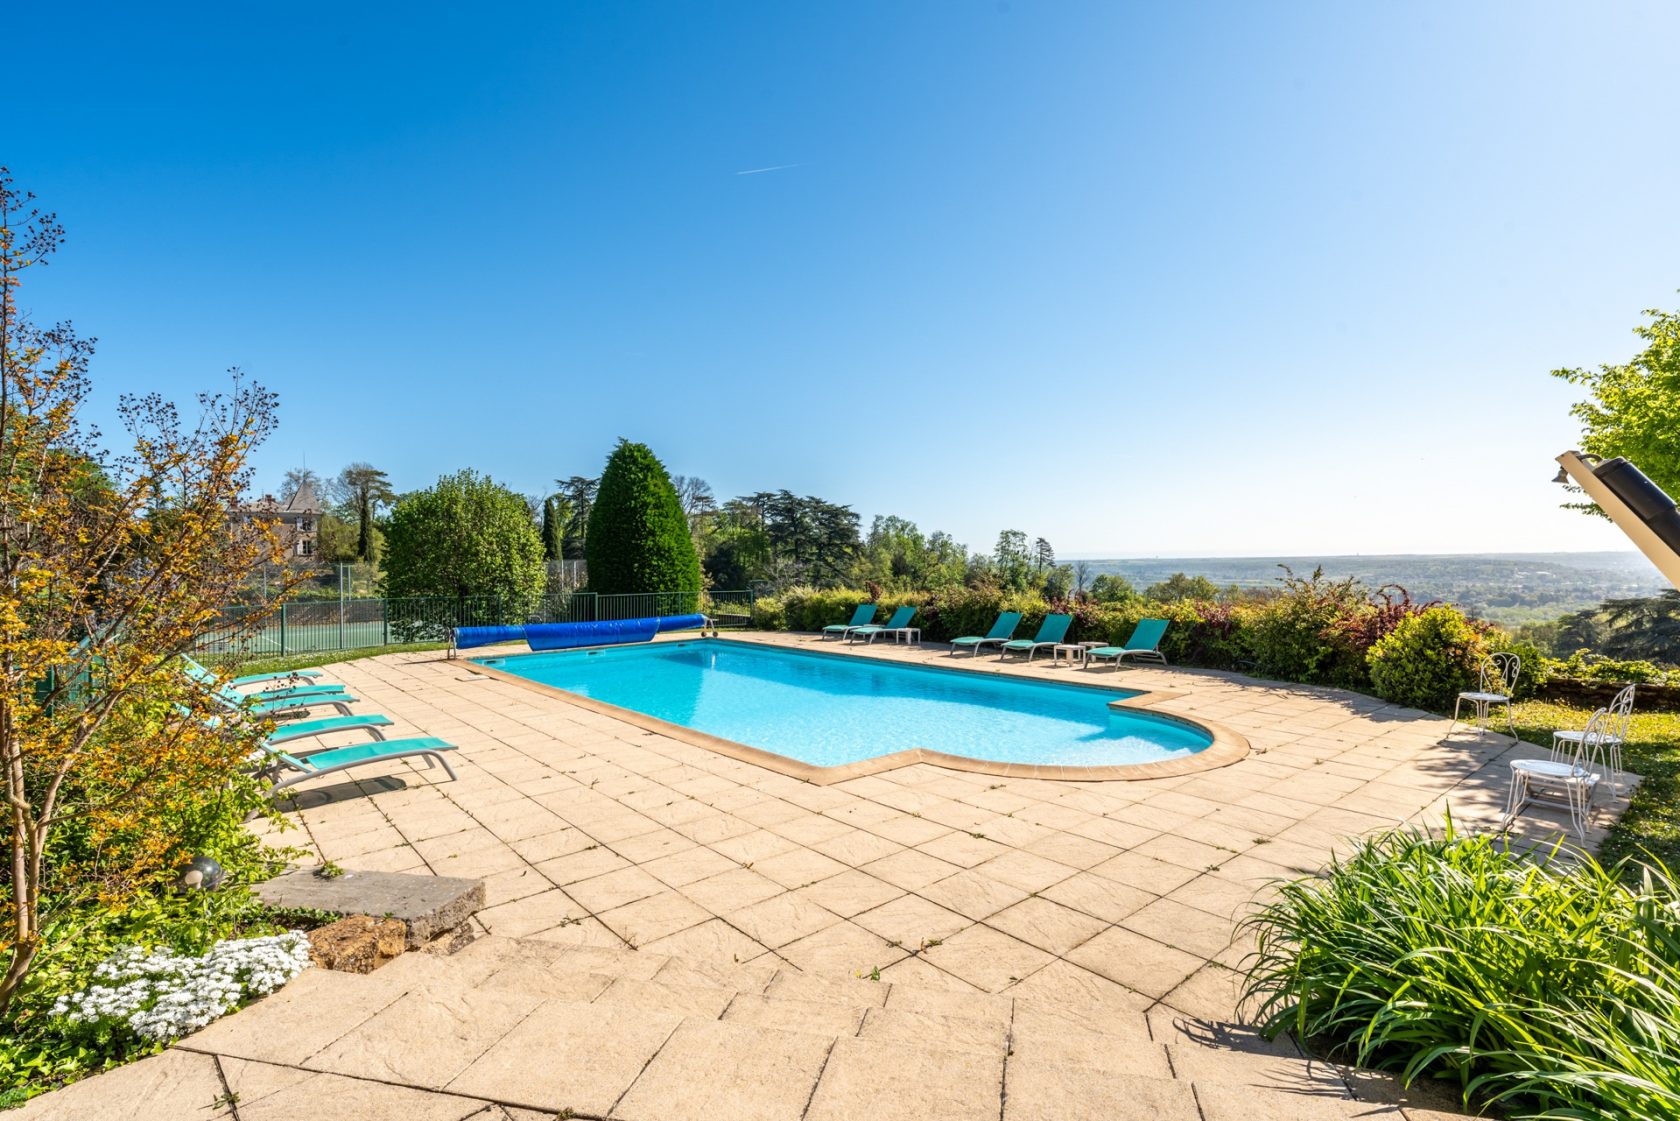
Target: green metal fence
{"x": 309, "y": 626}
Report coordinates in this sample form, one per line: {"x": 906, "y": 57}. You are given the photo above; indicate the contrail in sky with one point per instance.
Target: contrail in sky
{"x": 762, "y": 170}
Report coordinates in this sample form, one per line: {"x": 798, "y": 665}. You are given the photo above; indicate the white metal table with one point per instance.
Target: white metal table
{"x": 1075, "y": 652}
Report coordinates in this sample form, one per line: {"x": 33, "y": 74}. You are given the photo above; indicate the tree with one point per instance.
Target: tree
{"x": 466, "y": 536}
{"x": 1044, "y": 557}
{"x": 579, "y": 492}
{"x": 699, "y": 506}
{"x": 695, "y": 496}
{"x": 1013, "y": 560}
{"x": 1081, "y": 576}
{"x": 1580, "y": 630}
{"x": 110, "y": 568}
{"x": 1109, "y": 587}
{"x": 296, "y": 479}
{"x": 1179, "y": 586}
{"x": 638, "y": 535}
{"x": 738, "y": 552}
{"x": 363, "y": 489}
{"x": 804, "y": 538}
{"x": 1056, "y": 583}
{"x": 1646, "y": 627}
{"x": 556, "y": 513}
{"x": 1633, "y": 410}
{"x": 335, "y": 540}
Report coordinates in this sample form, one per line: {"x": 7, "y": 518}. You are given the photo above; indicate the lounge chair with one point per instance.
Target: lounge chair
{"x": 274, "y": 706}
{"x": 862, "y": 617}
{"x": 234, "y": 697}
{"x": 1145, "y": 645}
{"x": 298, "y": 769}
{"x": 897, "y": 625}
{"x": 304, "y": 729}
{"x": 1051, "y": 632}
{"x": 208, "y": 676}
{"x": 1001, "y": 632}
{"x": 262, "y": 757}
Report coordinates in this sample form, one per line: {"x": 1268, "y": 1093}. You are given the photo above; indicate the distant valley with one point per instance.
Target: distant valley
{"x": 1507, "y": 588}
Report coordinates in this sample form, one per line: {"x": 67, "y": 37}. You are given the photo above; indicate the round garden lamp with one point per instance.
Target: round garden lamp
{"x": 201, "y": 873}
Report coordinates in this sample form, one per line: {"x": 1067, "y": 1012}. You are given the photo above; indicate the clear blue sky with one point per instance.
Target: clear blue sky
{"x": 1240, "y": 278}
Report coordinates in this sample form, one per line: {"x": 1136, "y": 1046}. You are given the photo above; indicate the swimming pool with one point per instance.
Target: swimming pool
{"x": 830, "y": 710}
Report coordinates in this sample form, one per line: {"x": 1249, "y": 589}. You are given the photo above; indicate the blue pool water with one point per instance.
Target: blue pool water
{"x": 829, "y": 710}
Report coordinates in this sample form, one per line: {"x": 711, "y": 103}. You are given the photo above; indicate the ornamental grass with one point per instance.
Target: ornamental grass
{"x": 1542, "y": 986}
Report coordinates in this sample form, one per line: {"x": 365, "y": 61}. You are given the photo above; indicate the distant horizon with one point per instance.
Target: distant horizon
{"x": 1628, "y": 552}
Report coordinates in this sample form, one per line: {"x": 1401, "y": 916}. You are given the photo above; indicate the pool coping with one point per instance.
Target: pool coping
{"x": 1226, "y": 747}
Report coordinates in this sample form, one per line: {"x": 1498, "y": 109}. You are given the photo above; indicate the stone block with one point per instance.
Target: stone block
{"x": 427, "y": 905}
{"x": 358, "y": 944}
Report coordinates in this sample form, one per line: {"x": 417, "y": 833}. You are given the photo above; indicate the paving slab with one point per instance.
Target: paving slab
{"x": 277, "y": 1093}
{"x": 886, "y": 1081}
{"x": 160, "y": 1088}
{"x": 1037, "y": 1090}
{"x": 580, "y": 1057}
{"x": 428, "y": 1037}
{"x": 728, "y": 1070}
{"x": 314, "y": 1009}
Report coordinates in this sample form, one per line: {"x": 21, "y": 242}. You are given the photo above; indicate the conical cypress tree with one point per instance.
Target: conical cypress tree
{"x": 638, "y": 538}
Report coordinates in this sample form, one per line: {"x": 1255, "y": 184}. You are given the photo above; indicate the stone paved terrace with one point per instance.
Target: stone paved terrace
{"x": 674, "y": 933}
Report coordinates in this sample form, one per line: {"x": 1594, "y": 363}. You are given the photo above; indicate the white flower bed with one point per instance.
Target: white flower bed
{"x": 161, "y": 995}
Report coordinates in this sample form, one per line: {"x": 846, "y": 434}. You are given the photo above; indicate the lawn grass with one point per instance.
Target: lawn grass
{"x": 1652, "y": 821}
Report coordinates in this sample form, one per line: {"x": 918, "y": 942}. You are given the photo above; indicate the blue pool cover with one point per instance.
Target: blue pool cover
{"x": 565, "y": 636}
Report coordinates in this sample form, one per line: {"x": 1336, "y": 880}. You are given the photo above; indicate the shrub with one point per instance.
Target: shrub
{"x": 1308, "y": 631}
{"x": 37, "y": 1052}
{"x": 1535, "y": 666}
{"x": 1190, "y": 638}
{"x": 157, "y": 995}
{"x": 1427, "y": 660}
{"x": 812, "y": 609}
{"x": 769, "y": 613}
{"x": 1535, "y": 984}
{"x": 639, "y": 538}
{"x": 1583, "y": 666}
{"x": 466, "y": 536}
{"x": 956, "y": 611}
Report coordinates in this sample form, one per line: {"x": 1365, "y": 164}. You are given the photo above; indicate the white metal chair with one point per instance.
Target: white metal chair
{"x": 1498, "y": 681}
{"x": 1574, "y": 781}
{"x": 1610, "y": 744}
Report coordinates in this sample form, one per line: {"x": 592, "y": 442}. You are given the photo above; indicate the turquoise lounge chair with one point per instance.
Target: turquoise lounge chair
{"x": 861, "y": 617}
{"x": 200, "y": 672}
{"x": 275, "y": 706}
{"x": 320, "y": 763}
{"x": 303, "y": 729}
{"x": 234, "y": 697}
{"x": 262, "y": 757}
{"x": 898, "y": 624}
{"x": 1145, "y": 644}
{"x": 1000, "y": 633}
{"x": 1051, "y": 632}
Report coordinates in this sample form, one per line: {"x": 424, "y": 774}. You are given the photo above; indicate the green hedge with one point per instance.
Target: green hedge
{"x": 1314, "y": 631}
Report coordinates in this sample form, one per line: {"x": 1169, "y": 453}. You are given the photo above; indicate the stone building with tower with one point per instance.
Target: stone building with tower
{"x": 297, "y": 522}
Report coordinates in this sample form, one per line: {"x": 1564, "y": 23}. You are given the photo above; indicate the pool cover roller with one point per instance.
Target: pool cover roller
{"x": 565, "y": 636}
